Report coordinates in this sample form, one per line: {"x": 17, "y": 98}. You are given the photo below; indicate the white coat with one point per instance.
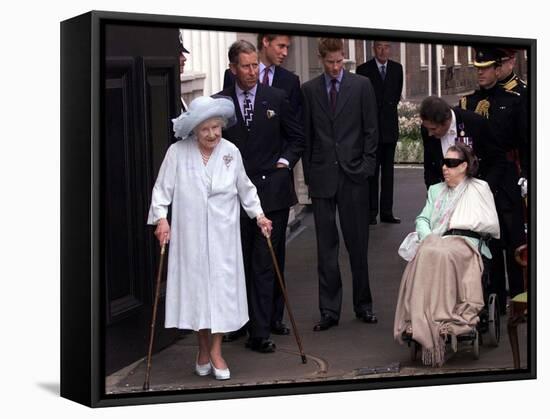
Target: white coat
{"x": 206, "y": 283}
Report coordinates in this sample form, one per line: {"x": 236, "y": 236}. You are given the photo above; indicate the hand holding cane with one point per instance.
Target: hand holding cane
{"x": 287, "y": 305}
{"x": 154, "y": 318}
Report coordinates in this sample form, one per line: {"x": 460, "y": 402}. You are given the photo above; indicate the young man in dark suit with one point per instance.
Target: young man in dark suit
{"x": 340, "y": 123}
{"x": 386, "y": 77}
{"x": 271, "y": 142}
{"x": 272, "y": 52}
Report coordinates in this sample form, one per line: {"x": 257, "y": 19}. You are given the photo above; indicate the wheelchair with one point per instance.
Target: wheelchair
{"x": 487, "y": 330}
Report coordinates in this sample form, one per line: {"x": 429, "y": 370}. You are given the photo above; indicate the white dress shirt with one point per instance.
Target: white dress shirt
{"x": 449, "y": 138}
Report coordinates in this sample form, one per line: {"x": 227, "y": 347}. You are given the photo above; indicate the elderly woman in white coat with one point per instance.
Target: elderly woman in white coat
{"x": 203, "y": 178}
{"x": 441, "y": 292}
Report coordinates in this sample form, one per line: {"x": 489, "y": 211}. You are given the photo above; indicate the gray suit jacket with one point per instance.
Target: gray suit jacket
{"x": 346, "y": 138}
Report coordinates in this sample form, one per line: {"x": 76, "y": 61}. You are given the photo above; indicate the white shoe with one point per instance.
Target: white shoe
{"x": 220, "y": 374}
{"x": 204, "y": 369}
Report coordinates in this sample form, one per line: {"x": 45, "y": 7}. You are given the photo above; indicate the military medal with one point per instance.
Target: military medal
{"x": 461, "y": 128}
{"x": 469, "y": 141}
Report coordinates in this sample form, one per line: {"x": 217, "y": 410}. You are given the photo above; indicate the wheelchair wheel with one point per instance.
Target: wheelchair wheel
{"x": 493, "y": 337}
{"x": 475, "y": 346}
{"x": 413, "y": 349}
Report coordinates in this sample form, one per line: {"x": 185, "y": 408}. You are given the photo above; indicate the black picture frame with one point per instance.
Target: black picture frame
{"x": 82, "y": 217}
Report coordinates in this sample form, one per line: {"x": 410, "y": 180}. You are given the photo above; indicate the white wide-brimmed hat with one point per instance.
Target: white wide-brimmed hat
{"x": 201, "y": 109}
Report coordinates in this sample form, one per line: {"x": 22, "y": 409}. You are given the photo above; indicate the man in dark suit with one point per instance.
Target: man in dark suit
{"x": 271, "y": 142}
{"x": 340, "y": 123}
{"x": 273, "y": 49}
{"x": 442, "y": 126}
{"x": 272, "y": 52}
{"x": 386, "y": 77}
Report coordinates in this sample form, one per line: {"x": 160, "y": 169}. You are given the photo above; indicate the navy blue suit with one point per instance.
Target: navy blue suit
{"x": 273, "y": 135}
{"x": 388, "y": 94}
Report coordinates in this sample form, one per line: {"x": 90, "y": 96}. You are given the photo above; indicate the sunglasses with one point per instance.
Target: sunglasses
{"x": 452, "y": 162}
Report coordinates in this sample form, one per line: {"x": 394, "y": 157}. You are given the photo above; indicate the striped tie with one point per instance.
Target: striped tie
{"x": 248, "y": 111}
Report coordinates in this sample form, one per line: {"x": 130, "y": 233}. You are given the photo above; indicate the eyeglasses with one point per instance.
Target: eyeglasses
{"x": 452, "y": 162}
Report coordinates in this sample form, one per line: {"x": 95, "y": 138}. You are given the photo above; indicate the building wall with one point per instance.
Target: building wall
{"x": 417, "y": 75}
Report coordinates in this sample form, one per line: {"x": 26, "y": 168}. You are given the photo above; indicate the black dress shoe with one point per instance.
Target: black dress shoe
{"x": 279, "y": 328}
{"x": 389, "y": 219}
{"x": 231, "y": 336}
{"x": 325, "y": 323}
{"x": 367, "y": 316}
{"x": 373, "y": 221}
{"x": 262, "y": 345}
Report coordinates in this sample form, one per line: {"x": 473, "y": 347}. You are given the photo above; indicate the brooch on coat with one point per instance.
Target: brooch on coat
{"x": 270, "y": 113}
{"x": 227, "y": 159}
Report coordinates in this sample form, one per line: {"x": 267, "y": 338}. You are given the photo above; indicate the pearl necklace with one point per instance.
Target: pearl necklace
{"x": 205, "y": 157}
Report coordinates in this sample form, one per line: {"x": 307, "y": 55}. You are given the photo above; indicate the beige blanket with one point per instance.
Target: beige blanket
{"x": 440, "y": 294}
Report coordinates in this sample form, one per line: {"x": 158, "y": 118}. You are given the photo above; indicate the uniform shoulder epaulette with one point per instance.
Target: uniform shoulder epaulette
{"x": 510, "y": 85}
{"x": 463, "y": 102}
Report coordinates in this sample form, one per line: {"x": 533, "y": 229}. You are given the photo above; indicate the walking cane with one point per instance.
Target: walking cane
{"x": 153, "y": 320}
{"x": 283, "y": 289}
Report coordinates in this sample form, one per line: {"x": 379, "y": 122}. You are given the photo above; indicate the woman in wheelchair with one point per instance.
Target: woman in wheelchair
{"x": 441, "y": 292}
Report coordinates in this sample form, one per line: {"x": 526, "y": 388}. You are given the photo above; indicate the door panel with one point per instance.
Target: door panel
{"x": 141, "y": 96}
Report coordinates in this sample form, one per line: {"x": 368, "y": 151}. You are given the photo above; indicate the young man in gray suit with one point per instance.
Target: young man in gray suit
{"x": 340, "y": 123}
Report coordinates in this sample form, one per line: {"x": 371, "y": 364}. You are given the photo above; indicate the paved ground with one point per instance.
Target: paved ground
{"x": 352, "y": 349}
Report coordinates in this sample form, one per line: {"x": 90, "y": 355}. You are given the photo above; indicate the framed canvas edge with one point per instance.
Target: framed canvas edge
{"x": 92, "y": 392}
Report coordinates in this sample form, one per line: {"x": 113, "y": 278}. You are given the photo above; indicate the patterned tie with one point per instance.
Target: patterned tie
{"x": 248, "y": 112}
{"x": 266, "y": 76}
{"x": 383, "y": 72}
{"x": 333, "y": 93}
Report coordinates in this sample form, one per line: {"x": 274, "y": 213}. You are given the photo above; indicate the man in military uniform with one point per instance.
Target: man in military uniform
{"x": 508, "y": 79}
{"x": 506, "y": 112}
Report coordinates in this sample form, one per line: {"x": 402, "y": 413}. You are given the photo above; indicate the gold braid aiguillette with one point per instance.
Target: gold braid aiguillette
{"x": 482, "y": 108}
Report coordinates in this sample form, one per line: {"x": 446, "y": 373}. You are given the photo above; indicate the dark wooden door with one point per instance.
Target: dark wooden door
{"x": 141, "y": 95}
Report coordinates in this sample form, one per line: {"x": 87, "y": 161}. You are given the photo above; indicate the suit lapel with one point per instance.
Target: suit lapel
{"x": 260, "y": 107}
{"x": 460, "y": 126}
{"x": 343, "y": 94}
{"x": 377, "y": 78}
{"x": 322, "y": 96}
{"x": 240, "y": 135}
{"x": 437, "y": 151}
{"x": 238, "y": 113}
{"x": 277, "y": 77}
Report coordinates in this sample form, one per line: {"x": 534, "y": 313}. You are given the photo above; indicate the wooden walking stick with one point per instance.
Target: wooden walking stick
{"x": 153, "y": 320}
{"x": 283, "y": 289}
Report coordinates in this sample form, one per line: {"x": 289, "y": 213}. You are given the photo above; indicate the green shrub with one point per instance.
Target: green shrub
{"x": 409, "y": 121}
